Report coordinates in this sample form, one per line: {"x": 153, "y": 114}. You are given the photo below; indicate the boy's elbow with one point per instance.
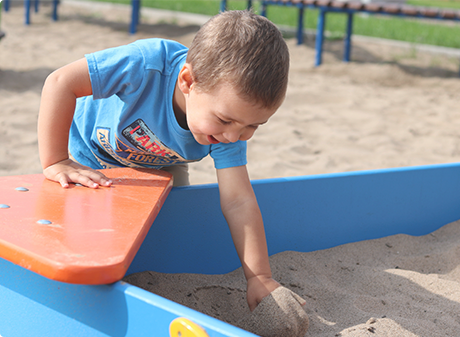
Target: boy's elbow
{"x": 54, "y": 81}
{"x": 69, "y": 79}
{"x": 50, "y": 79}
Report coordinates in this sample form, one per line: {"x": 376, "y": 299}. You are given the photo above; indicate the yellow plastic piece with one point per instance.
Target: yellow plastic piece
{"x": 183, "y": 327}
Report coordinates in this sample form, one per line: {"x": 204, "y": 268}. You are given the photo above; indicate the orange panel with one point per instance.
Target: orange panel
{"x": 93, "y": 234}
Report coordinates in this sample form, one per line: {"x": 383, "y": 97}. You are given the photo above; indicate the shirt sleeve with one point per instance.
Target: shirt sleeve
{"x": 116, "y": 71}
{"x": 229, "y": 155}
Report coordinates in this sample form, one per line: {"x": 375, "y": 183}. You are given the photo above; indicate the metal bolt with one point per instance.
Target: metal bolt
{"x": 44, "y": 222}
{"x": 21, "y": 189}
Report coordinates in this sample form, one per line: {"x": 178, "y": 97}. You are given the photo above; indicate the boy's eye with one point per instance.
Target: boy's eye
{"x": 223, "y": 121}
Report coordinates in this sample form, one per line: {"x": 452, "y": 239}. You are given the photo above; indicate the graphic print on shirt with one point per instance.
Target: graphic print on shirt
{"x": 147, "y": 150}
{"x": 103, "y": 138}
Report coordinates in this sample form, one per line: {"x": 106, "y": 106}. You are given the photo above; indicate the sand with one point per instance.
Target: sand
{"x": 393, "y": 106}
{"x": 393, "y": 286}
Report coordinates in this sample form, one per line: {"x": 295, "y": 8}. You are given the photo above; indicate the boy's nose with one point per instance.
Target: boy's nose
{"x": 232, "y": 136}
{"x": 238, "y": 134}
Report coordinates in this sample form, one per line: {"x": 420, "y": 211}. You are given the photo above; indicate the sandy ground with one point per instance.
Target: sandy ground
{"x": 395, "y": 286}
{"x": 392, "y": 106}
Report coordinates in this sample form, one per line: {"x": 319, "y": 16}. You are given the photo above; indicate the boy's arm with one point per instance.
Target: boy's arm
{"x": 240, "y": 208}
{"x": 59, "y": 95}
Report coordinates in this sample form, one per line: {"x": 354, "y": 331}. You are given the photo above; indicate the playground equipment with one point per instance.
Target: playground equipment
{"x": 28, "y": 4}
{"x": 78, "y": 235}
{"x": 190, "y": 235}
{"x": 2, "y": 34}
{"x": 135, "y": 5}
{"x": 350, "y": 8}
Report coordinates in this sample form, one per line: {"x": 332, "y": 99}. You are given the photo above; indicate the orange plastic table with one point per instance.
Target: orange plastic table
{"x": 79, "y": 235}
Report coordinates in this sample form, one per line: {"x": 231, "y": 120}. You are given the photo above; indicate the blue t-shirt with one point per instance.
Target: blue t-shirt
{"x": 129, "y": 120}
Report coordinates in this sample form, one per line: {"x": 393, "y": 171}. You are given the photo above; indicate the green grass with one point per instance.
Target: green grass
{"x": 436, "y": 3}
{"x": 206, "y": 7}
{"x": 439, "y": 33}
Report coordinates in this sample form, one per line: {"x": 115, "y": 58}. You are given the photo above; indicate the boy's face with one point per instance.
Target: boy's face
{"x": 221, "y": 116}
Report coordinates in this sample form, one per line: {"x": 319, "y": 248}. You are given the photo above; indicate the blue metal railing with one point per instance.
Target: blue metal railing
{"x": 27, "y": 5}
{"x": 404, "y": 12}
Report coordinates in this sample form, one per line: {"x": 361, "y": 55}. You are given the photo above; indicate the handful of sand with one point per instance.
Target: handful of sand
{"x": 280, "y": 314}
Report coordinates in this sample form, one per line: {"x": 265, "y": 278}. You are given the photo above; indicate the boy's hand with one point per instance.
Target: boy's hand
{"x": 258, "y": 287}
{"x": 68, "y": 171}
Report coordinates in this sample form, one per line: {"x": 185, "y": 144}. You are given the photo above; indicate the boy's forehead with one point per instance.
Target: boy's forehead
{"x": 249, "y": 115}
{"x": 229, "y": 104}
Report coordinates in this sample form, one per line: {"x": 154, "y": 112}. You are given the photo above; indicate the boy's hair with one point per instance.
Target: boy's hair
{"x": 245, "y": 50}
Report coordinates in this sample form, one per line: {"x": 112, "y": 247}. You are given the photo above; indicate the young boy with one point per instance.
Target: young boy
{"x": 155, "y": 104}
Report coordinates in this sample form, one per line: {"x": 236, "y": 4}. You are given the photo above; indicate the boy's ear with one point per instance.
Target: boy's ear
{"x": 185, "y": 79}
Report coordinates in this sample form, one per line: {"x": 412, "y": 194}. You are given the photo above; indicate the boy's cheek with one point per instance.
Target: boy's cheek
{"x": 247, "y": 135}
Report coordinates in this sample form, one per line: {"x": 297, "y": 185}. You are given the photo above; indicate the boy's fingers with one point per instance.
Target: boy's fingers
{"x": 65, "y": 173}
{"x": 63, "y": 181}
{"x": 299, "y": 299}
{"x": 99, "y": 178}
{"x": 91, "y": 179}
{"x": 86, "y": 181}
{"x": 104, "y": 181}
{"x": 95, "y": 176}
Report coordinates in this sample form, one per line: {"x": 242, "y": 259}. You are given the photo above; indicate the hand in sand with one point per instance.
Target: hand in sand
{"x": 280, "y": 314}
{"x": 258, "y": 287}
{"x": 68, "y": 171}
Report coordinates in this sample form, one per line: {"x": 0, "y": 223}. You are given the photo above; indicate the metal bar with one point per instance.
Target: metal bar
{"x": 2, "y": 34}
{"x": 135, "y": 7}
{"x": 320, "y": 36}
{"x": 27, "y": 12}
{"x": 300, "y": 26}
{"x": 347, "y": 41}
{"x": 263, "y": 8}
{"x": 223, "y": 5}
{"x": 55, "y": 10}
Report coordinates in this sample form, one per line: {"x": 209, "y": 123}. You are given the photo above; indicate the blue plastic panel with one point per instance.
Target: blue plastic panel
{"x": 302, "y": 214}
{"x": 32, "y": 305}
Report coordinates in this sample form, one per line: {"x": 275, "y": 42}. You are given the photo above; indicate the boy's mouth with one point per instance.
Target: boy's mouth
{"x": 212, "y": 140}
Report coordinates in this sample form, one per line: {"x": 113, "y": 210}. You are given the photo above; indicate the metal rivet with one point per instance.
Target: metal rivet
{"x": 4, "y": 206}
{"x": 21, "y": 189}
{"x": 44, "y": 222}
